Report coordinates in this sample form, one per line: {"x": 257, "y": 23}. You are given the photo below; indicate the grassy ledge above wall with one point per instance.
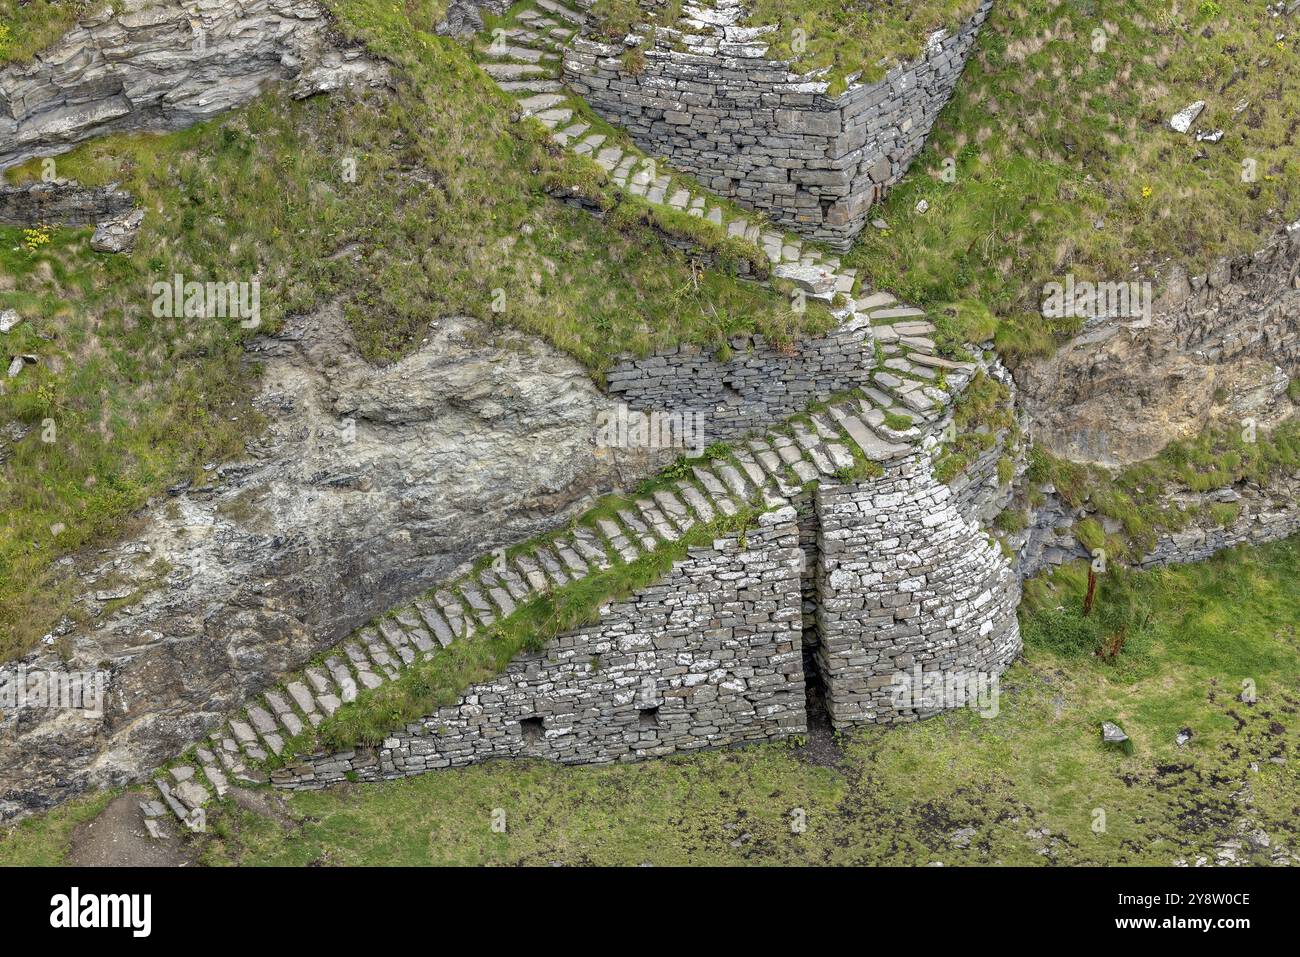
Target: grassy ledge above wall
{"x": 1065, "y": 162}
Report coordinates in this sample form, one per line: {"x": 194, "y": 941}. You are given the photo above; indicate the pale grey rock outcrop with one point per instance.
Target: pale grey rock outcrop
{"x": 62, "y": 202}
{"x": 368, "y": 486}
{"x": 167, "y": 65}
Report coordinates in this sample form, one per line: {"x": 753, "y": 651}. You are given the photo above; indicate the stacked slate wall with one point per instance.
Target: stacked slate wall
{"x": 748, "y": 128}
{"x": 906, "y": 584}
{"x": 755, "y": 386}
{"x": 710, "y": 656}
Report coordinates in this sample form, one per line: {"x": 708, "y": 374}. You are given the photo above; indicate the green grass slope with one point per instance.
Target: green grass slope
{"x": 1065, "y": 162}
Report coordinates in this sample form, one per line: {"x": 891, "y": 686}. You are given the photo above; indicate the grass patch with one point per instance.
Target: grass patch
{"x": 858, "y": 37}
{"x": 42, "y": 840}
{"x": 30, "y": 26}
{"x": 846, "y": 37}
{"x": 1051, "y": 137}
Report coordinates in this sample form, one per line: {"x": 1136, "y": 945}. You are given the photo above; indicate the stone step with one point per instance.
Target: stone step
{"x": 753, "y": 471}
{"x": 478, "y": 605}
{"x": 540, "y": 103}
{"x": 507, "y": 52}
{"x": 895, "y": 312}
{"x": 873, "y": 447}
{"x": 507, "y": 72}
{"x": 586, "y": 544}
{"x": 560, "y": 10}
{"x": 696, "y": 500}
{"x": 672, "y": 507}
{"x": 553, "y": 118}
{"x": 573, "y": 563}
{"x": 663, "y": 528}
{"x": 520, "y": 87}
{"x": 550, "y": 563}
{"x": 533, "y": 572}
{"x": 570, "y": 133}
{"x": 284, "y": 714}
{"x": 617, "y": 539}
{"x": 438, "y": 624}
{"x": 609, "y": 157}
{"x": 590, "y": 144}
{"x": 636, "y": 527}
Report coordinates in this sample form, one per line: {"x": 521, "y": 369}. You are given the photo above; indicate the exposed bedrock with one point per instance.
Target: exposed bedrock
{"x": 369, "y": 485}
{"x": 167, "y": 65}
{"x": 1222, "y": 345}
{"x": 62, "y": 202}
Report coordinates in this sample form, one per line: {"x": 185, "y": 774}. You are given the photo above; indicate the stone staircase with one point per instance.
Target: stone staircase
{"x": 765, "y": 472}
{"x": 910, "y": 398}
{"x": 523, "y": 56}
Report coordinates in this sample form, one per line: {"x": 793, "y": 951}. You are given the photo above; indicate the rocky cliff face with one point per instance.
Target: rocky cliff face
{"x": 167, "y": 65}
{"x": 1220, "y": 345}
{"x": 369, "y": 486}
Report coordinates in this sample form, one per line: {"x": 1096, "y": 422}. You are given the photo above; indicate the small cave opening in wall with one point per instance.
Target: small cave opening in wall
{"x": 532, "y": 730}
{"x": 648, "y": 718}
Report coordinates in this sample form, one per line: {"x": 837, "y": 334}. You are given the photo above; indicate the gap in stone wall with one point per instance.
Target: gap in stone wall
{"x": 533, "y": 730}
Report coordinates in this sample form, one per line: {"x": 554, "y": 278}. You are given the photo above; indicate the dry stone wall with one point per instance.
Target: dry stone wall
{"x": 167, "y": 65}
{"x": 717, "y": 106}
{"x": 906, "y": 586}
{"x": 757, "y": 385}
{"x": 902, "y": 587}
{"x": 1263, "y": 515}
{"x": 711, "y": 656}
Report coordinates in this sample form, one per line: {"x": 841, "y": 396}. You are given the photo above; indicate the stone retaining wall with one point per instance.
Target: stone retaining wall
{"x": 748, "y": 128}
{"x": 1265, "y": 515}
{"x": 167, "y": 65}
{"x": 757, "y": 385}
{"x": 714, "y": 654}
{"x": 906, "y": 585}
{"x": 711, "y": 656}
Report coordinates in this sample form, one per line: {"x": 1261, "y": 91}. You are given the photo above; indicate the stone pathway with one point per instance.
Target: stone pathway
{"x": 912, "y": 391}
{"x": 913, "y": 381}
{"x": 768, "y": 471}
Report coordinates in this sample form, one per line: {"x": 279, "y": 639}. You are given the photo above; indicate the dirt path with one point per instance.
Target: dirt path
{"x": 117, "y": 838}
